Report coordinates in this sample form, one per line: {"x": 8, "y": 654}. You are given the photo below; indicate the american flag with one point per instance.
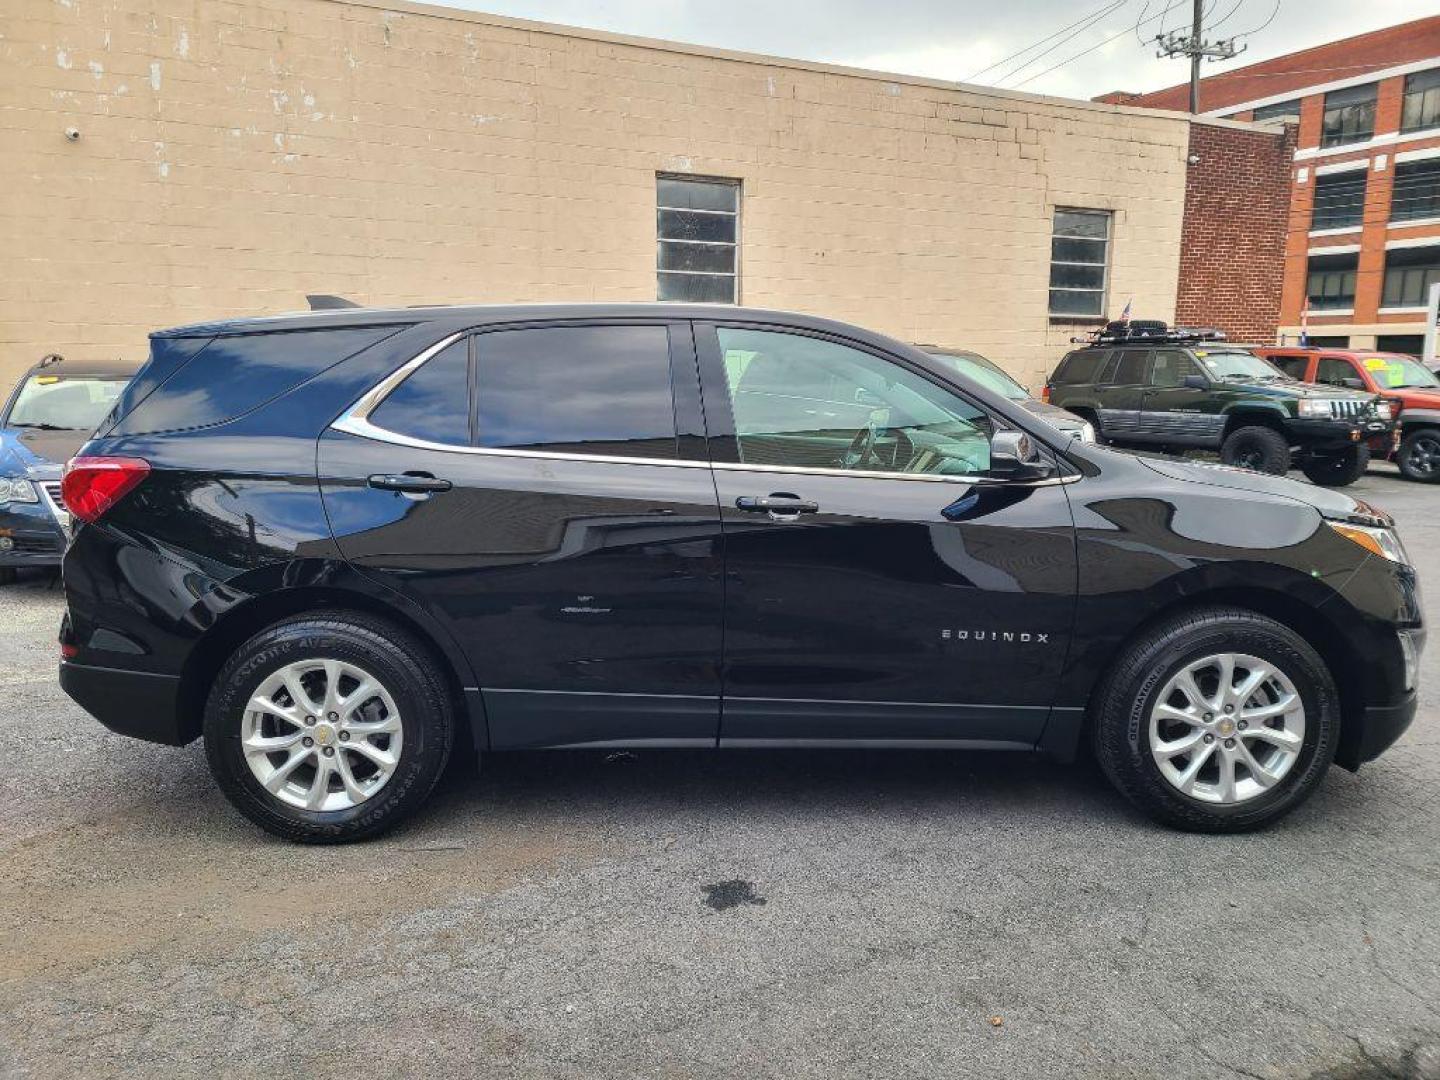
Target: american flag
{"x": 1125, "y": 315}
{"x": 1305, "y": 325}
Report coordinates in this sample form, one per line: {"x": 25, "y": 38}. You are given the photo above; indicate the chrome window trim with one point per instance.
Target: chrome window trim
{"x": 356, "y": 421}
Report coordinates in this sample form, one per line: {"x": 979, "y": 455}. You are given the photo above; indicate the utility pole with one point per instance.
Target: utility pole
{"x": 1195, "y": 47}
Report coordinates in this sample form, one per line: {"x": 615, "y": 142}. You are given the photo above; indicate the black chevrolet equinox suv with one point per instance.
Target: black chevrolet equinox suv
{"x": 341, "y": 545}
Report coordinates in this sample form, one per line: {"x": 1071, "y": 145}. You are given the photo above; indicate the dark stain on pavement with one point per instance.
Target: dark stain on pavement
{"x": 724, "y": 895}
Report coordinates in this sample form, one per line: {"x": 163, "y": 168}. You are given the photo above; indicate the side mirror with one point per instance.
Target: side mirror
{"x": 1196, "y": 382}
{"x": 1353, "y": 383}
{"x": 1016, "y": 456}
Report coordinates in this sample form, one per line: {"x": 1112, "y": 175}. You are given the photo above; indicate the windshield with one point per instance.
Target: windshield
{"x": 1399, "y": 372}
{"x": 1236, "y": 364}
{"x": 64, "y": 403}
{"x": 975, "y": 366}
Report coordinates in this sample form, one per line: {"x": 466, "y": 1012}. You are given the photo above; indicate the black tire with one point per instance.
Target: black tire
{"x": 402, "y": 665}
{"x": 8, "y": 575}
{"x": 1120, "y": 730}
{"x": 1338, "y": 470}
{"x": 1419, "y": 455}
{"x": 1257, "y": 447}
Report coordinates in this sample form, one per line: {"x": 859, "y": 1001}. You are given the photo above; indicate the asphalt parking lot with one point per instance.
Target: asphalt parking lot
{"x": 693, "y": 915}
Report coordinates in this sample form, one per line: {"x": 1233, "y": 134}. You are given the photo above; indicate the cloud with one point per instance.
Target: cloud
{"x": 948, "y": 40}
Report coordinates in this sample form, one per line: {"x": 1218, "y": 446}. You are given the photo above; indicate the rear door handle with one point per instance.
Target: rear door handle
{"x": 776, "y": 504}
{"x": 409, "y": 483}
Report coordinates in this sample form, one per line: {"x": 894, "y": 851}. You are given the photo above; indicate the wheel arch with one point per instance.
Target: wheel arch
{"x": 1250, "y": 415}
{"x": 1313, "y": 624}
{"x": 248, "y": 618}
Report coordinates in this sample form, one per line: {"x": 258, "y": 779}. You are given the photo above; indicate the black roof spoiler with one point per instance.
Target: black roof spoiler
{"x": 326, "y": 302}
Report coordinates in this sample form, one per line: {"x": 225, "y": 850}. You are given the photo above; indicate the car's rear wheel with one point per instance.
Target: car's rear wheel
{"x": 1419, "y": 455}
{"x": 1257, "y": 447}
{"x": 1219, "y": 720}
{"x": 328, "y": 728}
{"x": 1338, "y": 470}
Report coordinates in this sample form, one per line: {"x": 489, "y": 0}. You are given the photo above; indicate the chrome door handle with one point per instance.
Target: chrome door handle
{"x": 776, "y": 504}
{"x": 409, "y": 483}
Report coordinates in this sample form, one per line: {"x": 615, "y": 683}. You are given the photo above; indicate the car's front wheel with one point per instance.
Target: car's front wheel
{"x": 1218, "y": 720}
{"x": 328, "y": 728}
{"x": 1257, "y": 447}
{"x": 1419, "y": 455}
{"x": 1338, "y": 470}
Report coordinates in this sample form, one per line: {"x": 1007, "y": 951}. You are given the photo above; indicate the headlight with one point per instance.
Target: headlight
{"x": 16, "y": 489}
{"x": 1086, "y": 432}
{"x": 1377, "y": 541}
{"x": 1315, "y": 407}
{"x": 1383, "y": 410}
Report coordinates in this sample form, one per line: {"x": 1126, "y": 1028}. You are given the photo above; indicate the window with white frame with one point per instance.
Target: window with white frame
{"x": 697, "y": 230}
{"x": 1409, "y": 273}
{"x": 1079, "y": 263}
{"x": 1420, "y": 108}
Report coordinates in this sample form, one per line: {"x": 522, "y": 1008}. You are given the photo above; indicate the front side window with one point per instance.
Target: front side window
{"x": 593, "y": 390}
{"x": 64, "y": 403}
{"x": 1421, "y": 105}
{"x": 1330, "y": 281}
{"x": 1079, "y": 258}
{"x": 1339, "y": 200}
{"x": 433, "y": 403}
{"x": 697, "y": 229}
{"x": 1294, "y": 366}
{"x": 1417, "y": 191}
{"x": 1281, "y": 110}
{"x": 1349, "y": 115}
{"x": 1170, "y": 368}
{"x": 1334, "y": 370}
{"x": 1409, "y": 273}
{"x": 808, "y": 403}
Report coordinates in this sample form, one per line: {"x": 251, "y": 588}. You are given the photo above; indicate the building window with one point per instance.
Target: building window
{"x": 1406, "y": 344}
{"x": 1331, "y": 281}
{"x": 1281, "y": 110}
{"x": 1421, "y": 107}
{"x": 1409, "y": 273}
{"x": 697, "y": 227}
{"x": 1339, "y": 200}
{"x": 1417, "y": 191}
{"x": 1079, "y": 258}
{"x": 1349, "y": 115}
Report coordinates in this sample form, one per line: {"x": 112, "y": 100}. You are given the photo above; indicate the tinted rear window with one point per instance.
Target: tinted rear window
{"x": 578, "y": 390}
{"x": 1080, "y": 367}
{"x": 434, "y": 402}
{"x": 233, "y": 375}
{"x": 1130, "y": 369}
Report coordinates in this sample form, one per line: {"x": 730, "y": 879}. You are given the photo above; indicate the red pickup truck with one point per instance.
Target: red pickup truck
{"x": 1412, "y": 390}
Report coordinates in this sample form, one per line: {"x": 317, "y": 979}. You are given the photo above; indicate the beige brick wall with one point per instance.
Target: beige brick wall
{"x": 236, "y": 154}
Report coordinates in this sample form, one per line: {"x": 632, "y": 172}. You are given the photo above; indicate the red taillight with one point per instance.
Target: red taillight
{"x": 1045, "y": 393}
{"x": 92, "y": 485}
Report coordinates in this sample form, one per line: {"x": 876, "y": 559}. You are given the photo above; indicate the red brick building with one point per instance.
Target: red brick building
{"x": 1362, "y": 243}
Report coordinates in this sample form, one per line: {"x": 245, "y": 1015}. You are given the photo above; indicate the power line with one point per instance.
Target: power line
{"x": 1160, "y": 15}
{"x": 1262, "y": 26}
{"x": 1228, "y": 16}
{"x": 1105, "y": 10}
{"x": 1041, "y": 55}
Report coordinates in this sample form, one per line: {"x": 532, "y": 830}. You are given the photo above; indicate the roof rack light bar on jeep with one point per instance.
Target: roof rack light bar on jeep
{"x": 1145, "y": 330}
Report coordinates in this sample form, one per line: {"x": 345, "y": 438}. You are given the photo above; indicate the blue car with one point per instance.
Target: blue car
{"x": 49, "y": 414}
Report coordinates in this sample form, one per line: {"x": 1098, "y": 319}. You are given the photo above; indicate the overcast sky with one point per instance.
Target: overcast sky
{"x": 959, "y": 39}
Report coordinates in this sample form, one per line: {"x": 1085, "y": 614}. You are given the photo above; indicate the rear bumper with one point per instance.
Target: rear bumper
{"x": 134, "y": 703}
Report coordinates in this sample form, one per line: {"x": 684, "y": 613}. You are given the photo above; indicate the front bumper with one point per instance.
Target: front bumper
{"x": 1327, "y": 434}
{"x": 135, "y": 703}
{"x": 35, "y": 537}
{"x": 1381, "y": 726}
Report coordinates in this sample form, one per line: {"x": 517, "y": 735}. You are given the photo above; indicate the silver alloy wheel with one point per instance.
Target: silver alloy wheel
{"x": 322, "y": 734}
{"x": 1227, "y": 728}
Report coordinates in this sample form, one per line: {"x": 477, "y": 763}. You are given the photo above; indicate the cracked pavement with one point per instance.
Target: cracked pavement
{"x": 703, "y": 915}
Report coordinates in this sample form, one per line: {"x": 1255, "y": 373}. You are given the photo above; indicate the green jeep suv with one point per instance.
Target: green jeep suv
{"x": 1149, "y": 386}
